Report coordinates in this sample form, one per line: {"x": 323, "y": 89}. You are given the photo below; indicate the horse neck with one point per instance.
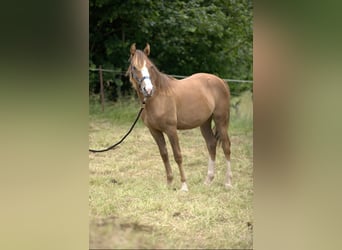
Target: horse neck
{"x": 161, "y": 81}
{"x": 161, "y": 84}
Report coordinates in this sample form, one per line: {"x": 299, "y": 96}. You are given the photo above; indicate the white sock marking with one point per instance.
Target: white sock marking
{"x": 229, "y": 176}
{"x": 184, "y": 187}
{"x": 211, "y": 167}
{"x": 211, "y": 172}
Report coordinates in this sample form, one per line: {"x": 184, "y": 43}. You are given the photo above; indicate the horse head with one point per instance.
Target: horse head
{"x": 139, "y": 70}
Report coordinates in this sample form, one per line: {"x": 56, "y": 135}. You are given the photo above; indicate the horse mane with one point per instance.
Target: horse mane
{"x": 159, "y": 79}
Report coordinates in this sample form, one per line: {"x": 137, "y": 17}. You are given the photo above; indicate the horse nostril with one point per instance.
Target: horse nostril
{"x": 147, "y": 91}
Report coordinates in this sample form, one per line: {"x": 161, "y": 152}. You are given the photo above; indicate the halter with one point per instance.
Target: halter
{"x": 139, "y": 80}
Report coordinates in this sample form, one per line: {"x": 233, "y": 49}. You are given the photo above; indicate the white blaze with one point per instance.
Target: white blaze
{"x": 148, "y": 83}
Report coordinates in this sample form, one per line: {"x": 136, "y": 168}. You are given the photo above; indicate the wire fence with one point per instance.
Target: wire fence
{"x": 101, "y": 80}
{"x": 175, "y": 76}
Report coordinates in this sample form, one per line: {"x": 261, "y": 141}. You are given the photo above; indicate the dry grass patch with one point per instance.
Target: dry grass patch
{"x": 131, "y": 206}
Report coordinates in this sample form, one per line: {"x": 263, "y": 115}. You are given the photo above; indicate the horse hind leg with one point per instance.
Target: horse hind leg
{"x": 222, "y": 134}
{"x": 211, "y": 142}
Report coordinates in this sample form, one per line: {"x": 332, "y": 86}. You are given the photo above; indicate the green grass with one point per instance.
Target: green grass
{"x": 130, "y": 205}
{"x": 122, "y": 112}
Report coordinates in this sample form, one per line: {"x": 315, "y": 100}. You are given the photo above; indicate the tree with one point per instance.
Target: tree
{"x": 186, "y": 37}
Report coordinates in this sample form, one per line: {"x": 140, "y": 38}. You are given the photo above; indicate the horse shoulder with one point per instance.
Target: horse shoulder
{"x": 160, "y": 112}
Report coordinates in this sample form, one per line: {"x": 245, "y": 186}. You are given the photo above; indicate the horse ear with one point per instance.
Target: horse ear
{"x": 147, "y": 49}
{"x": 133, "y": 49}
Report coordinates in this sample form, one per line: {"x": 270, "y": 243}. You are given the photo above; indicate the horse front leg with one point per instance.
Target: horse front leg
{"x": 160, "y": 140}
{"x": 173, "y": 138}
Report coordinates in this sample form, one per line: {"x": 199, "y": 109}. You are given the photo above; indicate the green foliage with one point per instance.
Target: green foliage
{"x": 186, "y": 37}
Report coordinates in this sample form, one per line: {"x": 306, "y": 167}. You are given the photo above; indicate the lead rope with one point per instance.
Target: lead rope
{"x": 123, "y": 138}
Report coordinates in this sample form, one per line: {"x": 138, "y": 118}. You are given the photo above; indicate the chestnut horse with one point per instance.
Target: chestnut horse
{"x": 172, "y": 104}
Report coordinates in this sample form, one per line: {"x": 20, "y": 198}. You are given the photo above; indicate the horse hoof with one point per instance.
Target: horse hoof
{"x": 208, "y": 180}
{"x": 228, "y": 186}
{"x": 184, "y": 187}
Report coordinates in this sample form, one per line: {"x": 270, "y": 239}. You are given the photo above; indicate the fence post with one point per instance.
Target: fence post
{"x": 101, "y": 88}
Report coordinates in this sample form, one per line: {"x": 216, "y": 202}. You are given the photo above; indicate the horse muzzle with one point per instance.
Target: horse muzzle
{"x": 147, "y": 88}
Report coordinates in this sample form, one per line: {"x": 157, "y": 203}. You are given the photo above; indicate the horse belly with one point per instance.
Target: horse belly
{"x": 192, "y": 118}
{"x": 190, "y": 125}
{"x": 195, "y": 103}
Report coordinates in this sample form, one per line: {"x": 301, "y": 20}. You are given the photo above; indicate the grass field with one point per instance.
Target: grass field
{"x": 130, "y": 205}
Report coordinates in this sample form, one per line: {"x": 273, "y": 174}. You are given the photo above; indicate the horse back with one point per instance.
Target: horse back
{"x": 205, "y": 87}
{"x": 198, "y": 97}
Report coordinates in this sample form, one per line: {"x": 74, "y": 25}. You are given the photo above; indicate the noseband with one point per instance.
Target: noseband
{"x": 139, "y": 80}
